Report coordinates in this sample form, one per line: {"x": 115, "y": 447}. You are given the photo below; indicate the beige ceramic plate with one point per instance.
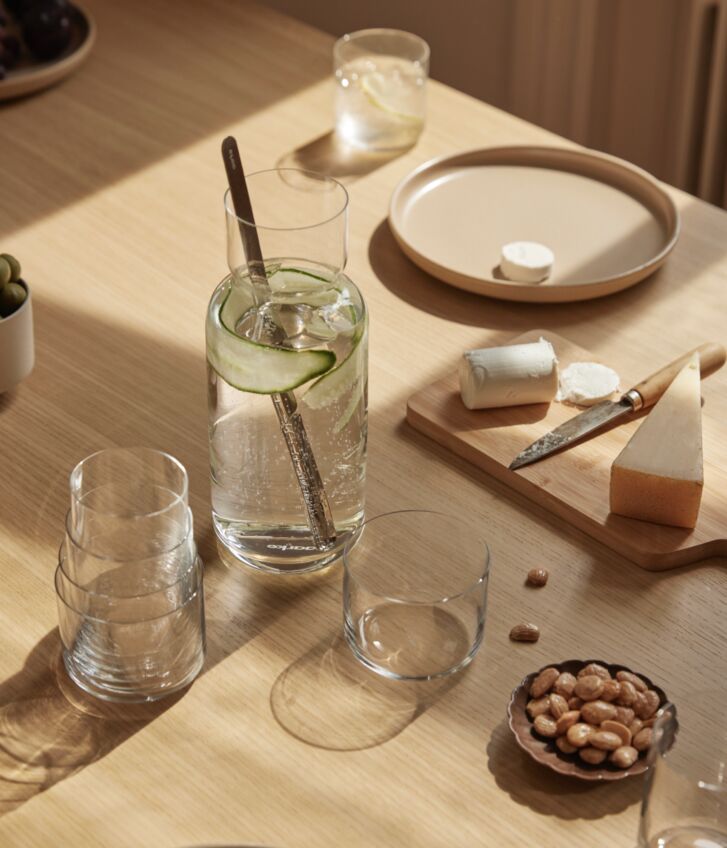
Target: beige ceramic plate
{"x": 30, "y": 77}
{"x": 544, "y": 752}
{"x": 608, "y": 223}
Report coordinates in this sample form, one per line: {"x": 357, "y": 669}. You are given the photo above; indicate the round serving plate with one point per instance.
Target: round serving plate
{"x": 608, "y": 223}
{"x": 30, "y": 76}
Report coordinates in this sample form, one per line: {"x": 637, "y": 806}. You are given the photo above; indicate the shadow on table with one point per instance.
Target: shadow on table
{"x": 552, "y": 794}
{"x": 328, "y": 155}
{"x": 327, "y": 699}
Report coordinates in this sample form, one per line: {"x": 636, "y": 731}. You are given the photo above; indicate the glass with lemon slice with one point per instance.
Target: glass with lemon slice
{"x": 317, "y": 349}
{"x": 381, "y": 77}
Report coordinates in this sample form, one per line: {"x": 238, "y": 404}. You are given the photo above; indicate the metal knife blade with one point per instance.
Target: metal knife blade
{"x": 573, "y": 429}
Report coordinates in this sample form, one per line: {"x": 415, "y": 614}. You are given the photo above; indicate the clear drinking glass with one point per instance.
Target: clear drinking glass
{"x": 320, "y": 355}
{"x": 415, "y": 594}
{"x": 125, "y": 575}
{"x": 129, "y": 503}
{"x": 685, "y": 793}
{"x": 132, "y": 648}
{"x": 381, "y": 77}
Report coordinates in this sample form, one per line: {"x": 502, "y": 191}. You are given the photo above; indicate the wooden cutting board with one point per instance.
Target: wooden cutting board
{"x": 574, "y": 484}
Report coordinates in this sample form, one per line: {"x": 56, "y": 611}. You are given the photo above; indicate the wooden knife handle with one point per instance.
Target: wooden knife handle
{"x": 711, "y": 358}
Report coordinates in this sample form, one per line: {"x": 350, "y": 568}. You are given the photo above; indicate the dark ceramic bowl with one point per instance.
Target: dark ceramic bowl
{"x": 544, "y": 751}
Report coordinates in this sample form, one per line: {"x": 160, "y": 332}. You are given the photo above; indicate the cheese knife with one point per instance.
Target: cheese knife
{"x": 642, "y": 396}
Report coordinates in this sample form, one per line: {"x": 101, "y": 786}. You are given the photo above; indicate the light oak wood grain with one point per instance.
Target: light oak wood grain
{"x": 111, "y": 190}
{"x": 574, "y": 484}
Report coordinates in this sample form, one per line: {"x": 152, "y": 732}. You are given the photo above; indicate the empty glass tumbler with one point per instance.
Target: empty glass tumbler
{"x": 381, "y": 77}
{"x": 685, "y": 792}
{"x": 302, "y": 335}
{"x": 129, "y": 583}
{"x": 415, "y": 594}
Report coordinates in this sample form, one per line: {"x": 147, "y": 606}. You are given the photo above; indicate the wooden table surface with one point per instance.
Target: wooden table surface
{"x": 110, "y": 193}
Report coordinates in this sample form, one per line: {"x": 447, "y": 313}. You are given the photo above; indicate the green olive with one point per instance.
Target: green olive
{"x": 6, "y": 272}
{"x": 12, "y": 297}
{"x": 14, "y": 266}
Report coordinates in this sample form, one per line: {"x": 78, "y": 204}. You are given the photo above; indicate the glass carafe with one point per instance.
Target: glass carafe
{"x": 304, "y": 334}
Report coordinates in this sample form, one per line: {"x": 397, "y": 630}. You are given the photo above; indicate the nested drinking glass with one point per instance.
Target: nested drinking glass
{"x": 302, "y": 334}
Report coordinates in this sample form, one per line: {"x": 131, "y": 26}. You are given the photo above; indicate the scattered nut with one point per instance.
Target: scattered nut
{"x": 580, "y": 734}
{"x": 619, "y": 729}
{"x": 625, "y": 715}
{"x": 575, "y": 703}
{"x": 537, "y": 577}
{"x": 538, "y": 706}
{"x": 525, "y": 633}
{"x": 544, "y": 681}
{"x": 642, "y": 739}
{"x": 624, "y": 757}
{"x": 633, "y": 679}
{"x": 589, "y": 687}
{"x": 627, "y": 695}
{"x": 565, "y": 746}
{"x": 594, "y": 712}
{"x": 646, "y": 704}
{"x": 594, "y": 668}
{"x": 545, "y": 726}
{"x": 558, "y": 705}
{"x": 611, "y": 690}
{"x": 605, "y": 741}
{"x": 566, "y": 721}
{"x": 564, "y": 685}
{"x": 592, "y": 756}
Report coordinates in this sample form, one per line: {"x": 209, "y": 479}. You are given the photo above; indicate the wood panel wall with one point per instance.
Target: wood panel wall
{"x": 642, "y": 79}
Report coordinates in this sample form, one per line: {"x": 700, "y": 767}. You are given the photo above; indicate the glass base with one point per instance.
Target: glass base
{"x": 419, "y": 651}
{"x": 282, "y": 551}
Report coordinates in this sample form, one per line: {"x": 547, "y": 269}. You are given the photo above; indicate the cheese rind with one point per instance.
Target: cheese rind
{"x": 659, "y": 475}
{"x": 512, "y": 375}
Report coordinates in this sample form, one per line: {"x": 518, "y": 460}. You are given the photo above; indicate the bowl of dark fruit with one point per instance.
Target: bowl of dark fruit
{"x": 17, "y": 354}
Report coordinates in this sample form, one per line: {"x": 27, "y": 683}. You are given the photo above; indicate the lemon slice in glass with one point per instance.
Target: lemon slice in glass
{"x": 393, "y": 93}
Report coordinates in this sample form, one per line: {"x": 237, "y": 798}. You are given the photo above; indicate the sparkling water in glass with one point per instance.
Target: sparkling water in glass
{"x": 381, "y": 77}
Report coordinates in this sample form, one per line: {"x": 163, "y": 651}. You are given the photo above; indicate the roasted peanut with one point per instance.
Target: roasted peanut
{"x": 564, "y": 685}
{"x": 619, "y": 729}
{"x": 575, "y": 703}
{"x": 538, "y": 706}
{"x": 558, "y": 705}
{"x": 537, "y": 577}
{"x": 611, "y": 690}
{"x": 627, "y": 695}
{"x": 545, "y": 726}
{"x": 589, "y": 687}
{"x": 624, "y": 757}
{"x": 525, "y": 633}
{"x": 649, "y": 722}
{"x": 592, "y": 755}
{"x": 633, "y": 679}
{"x": 566, "y": 721}
{"x": 579, "y": 734}
{"x": 646, "y": 704}
{"x": 565, "y": 746}
{"x": 544, "y": 681}
{"x": 605, "y": 741}
{"x": 594, "y": 668}
{"x": 642, "y": 739}
{"x": 625, "y": 715}
{"x": 594, "y": 712}
{"x": 635, "y": 726}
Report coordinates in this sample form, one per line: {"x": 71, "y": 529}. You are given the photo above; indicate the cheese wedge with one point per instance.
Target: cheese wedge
{"x": 658, "y": 476}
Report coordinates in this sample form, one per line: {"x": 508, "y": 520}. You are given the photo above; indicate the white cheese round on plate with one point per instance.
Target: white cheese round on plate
{"x": 526, "y": 261}
{"x": 587, "y": 383}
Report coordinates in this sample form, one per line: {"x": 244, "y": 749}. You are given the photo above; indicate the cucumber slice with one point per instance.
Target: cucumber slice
{"x": 340, "y": 379}
{"x": 254, "y": 367}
